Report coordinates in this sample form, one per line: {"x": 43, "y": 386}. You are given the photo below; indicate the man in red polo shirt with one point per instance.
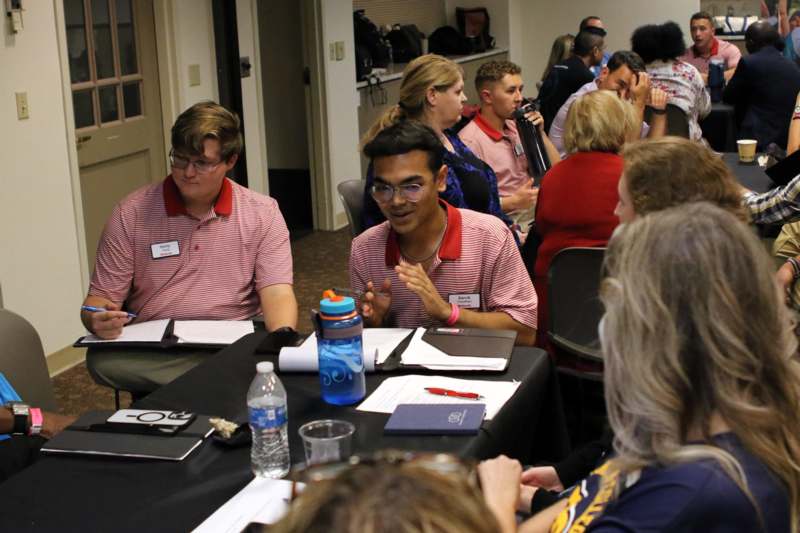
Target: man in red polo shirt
{"x": 706, "y": 47}
{"x": 195, "y": 246}
{"x": 493, "y": 136}
{"x": 430, "y": 263}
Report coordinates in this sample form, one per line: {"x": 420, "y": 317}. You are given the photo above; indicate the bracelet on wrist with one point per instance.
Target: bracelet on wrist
{"x": 658, "y": 111}
{"x": 455, "y": 312}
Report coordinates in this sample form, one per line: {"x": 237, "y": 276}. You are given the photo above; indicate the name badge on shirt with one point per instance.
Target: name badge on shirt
{"x": 467, "y": 301}
{"x": 165, "y": 249}
{"x": 518, "y": 149}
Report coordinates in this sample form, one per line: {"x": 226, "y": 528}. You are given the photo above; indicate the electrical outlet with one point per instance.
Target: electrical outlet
{"x": 23, "y": 110}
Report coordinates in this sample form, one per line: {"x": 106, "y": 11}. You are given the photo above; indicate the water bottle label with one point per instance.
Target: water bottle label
{"x": 267, "y": 417}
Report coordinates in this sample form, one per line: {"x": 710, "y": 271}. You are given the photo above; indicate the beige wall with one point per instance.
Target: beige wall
{"x": 542, "y": 23}
{"x": 341, "y": 102}
{"x": 39, "y": 258}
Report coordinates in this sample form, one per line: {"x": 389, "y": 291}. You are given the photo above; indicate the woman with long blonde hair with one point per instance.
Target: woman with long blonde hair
{"x": 432, "y": 92}
{"x": 702, "y": 385}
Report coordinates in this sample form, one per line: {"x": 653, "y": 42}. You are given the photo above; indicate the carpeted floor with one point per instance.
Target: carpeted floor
{"x": 320, "y": 262}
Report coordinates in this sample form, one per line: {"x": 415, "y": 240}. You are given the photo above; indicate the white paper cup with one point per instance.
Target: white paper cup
{"x": 747, "y": 150}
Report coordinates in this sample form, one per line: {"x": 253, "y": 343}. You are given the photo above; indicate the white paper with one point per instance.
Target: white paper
{"x": 378, "y": 344}
{"x": 222, "y": 332}
{"x": 421, "y": 353}
{"x": 151, "y": 331}
{"x": 263, "y": 500}
{"x": 411, "y": 389}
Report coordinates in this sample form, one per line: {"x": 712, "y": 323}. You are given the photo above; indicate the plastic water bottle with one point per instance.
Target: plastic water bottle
{"x": 716, "y": 78}
{"x": 341, "y": 357}
{"x": 266, "y": 403}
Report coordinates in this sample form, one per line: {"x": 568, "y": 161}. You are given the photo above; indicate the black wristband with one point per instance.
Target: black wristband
{"x": 658, "y": 111}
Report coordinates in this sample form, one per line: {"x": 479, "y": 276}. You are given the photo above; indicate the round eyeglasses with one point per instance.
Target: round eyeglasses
{"x": 182, "y": 163}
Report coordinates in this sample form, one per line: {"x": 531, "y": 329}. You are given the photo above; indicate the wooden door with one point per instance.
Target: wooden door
{"x": 116, "y": 104}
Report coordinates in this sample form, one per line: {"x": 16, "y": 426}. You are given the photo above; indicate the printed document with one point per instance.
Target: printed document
{"x": 411, "y": 389}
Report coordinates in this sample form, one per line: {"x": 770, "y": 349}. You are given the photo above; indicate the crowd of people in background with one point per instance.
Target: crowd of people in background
{"x": 700, "y": 364}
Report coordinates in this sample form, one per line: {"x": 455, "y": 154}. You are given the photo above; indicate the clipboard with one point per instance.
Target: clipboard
{"x": 463, "y": 342}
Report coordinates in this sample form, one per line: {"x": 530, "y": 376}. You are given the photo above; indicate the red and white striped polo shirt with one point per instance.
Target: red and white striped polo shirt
{"x": 220, "y": 261}
{"x": 478, "y": 255}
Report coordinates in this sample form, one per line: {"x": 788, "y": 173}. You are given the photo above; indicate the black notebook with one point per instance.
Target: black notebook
{"x": 77, "y": 439}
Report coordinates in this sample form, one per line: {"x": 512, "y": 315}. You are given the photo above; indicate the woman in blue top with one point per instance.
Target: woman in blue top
{"x": 702, "y": 386}
{"x": 432, "y": 92}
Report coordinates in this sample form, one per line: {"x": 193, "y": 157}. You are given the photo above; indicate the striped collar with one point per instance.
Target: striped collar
{"x": 173, "y": 202}
{"x": 449, "y": 249}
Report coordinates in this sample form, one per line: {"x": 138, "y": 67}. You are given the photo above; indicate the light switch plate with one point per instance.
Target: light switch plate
{"x": 194, "y": 75}
{"x": 339, "y": 50}
{"x": 23, "y": 110}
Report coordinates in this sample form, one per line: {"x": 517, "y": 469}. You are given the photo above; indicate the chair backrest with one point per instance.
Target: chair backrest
{"x": 573, "y": 282}
{"x": 22, "y": 361}
{"x": 351, "y": 193}
{"x": 677, "y": 121}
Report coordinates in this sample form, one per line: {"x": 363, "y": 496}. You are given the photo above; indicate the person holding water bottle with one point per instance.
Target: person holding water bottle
{"x": 431, "y": 263}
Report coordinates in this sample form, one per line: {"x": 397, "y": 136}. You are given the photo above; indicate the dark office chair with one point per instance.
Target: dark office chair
{"x": 351, "y": 193}
{"x": 575, "y": 311}
{"x": 677, "y": 121}
{"x": 23, "y": 363}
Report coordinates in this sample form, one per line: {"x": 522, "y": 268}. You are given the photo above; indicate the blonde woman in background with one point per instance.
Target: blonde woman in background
{"x": 702, "y": 388}
{"x": 432, "y": 92}
{"x": 560, "y": 52}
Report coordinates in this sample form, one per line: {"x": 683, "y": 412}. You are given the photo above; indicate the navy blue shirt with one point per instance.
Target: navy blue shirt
{"x": 697, "y": 496}
{"x": 470, "y": 184}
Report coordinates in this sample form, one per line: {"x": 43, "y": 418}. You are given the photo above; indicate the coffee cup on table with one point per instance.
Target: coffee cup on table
{"x": 747, "y": 150}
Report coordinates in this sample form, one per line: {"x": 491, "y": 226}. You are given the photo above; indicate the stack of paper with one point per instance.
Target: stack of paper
{"x": 423, "y": 354}
{"x": 378, "y": 344}
{"x": 221, "y": 332}
{"x": 411, "y": 389}
{"x": 151, "y": 331}
{"x": 263, "y": 501}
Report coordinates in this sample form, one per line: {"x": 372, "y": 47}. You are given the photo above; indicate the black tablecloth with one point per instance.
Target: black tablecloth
{"x": 750, "y": 175}
{"x": 102, "y": 494}
{"x": 719, "y": 128}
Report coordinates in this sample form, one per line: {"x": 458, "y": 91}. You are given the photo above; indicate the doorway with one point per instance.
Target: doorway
{"x": 285, "y": 79}
{"x": 116, "y": 104}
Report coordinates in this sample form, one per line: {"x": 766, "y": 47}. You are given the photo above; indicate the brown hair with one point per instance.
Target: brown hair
{"x": 493, "y": 71}
{"x": 599, "y": 121}
{"x": 389, "y": 498}
{"x": 670, "y": 171}
{"x": 424, "y": 72}
{"x": 207, "y": 120}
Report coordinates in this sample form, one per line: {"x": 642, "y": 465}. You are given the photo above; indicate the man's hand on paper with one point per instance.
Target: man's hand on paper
{"x": 375, "y": 303}
{"x": 105, "y": 324}
{"x": 418, "y": 282}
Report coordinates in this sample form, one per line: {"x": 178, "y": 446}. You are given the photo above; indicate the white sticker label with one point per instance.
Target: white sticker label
{"x": 165, "y": 249}
{"x": 467, "y": 301}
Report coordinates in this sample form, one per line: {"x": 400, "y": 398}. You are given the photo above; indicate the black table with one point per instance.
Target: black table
{"x": 749, "y": 175}
{"x": 101, "y": 494}
{"x": 719, "y": 127}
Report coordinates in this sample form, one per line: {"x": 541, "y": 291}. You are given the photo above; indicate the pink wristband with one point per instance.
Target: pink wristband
{"x": 36, "y": 421}
{"x": 455, "y": 312}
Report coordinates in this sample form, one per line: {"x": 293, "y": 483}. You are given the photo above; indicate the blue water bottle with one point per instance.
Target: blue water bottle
{"x": 341, "y": 355}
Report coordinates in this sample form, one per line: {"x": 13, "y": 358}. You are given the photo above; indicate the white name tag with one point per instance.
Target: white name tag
{"x": 165, "y": 249}
{"x": 467, "y": 301}
{"x": 518, "y": 149}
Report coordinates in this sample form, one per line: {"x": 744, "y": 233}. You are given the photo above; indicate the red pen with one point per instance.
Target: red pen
{"x": 455, "y": 394}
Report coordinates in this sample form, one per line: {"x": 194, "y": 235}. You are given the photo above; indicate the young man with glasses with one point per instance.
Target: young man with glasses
{"x": 430, "y": 263}
{"x": 195, "y": 246}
